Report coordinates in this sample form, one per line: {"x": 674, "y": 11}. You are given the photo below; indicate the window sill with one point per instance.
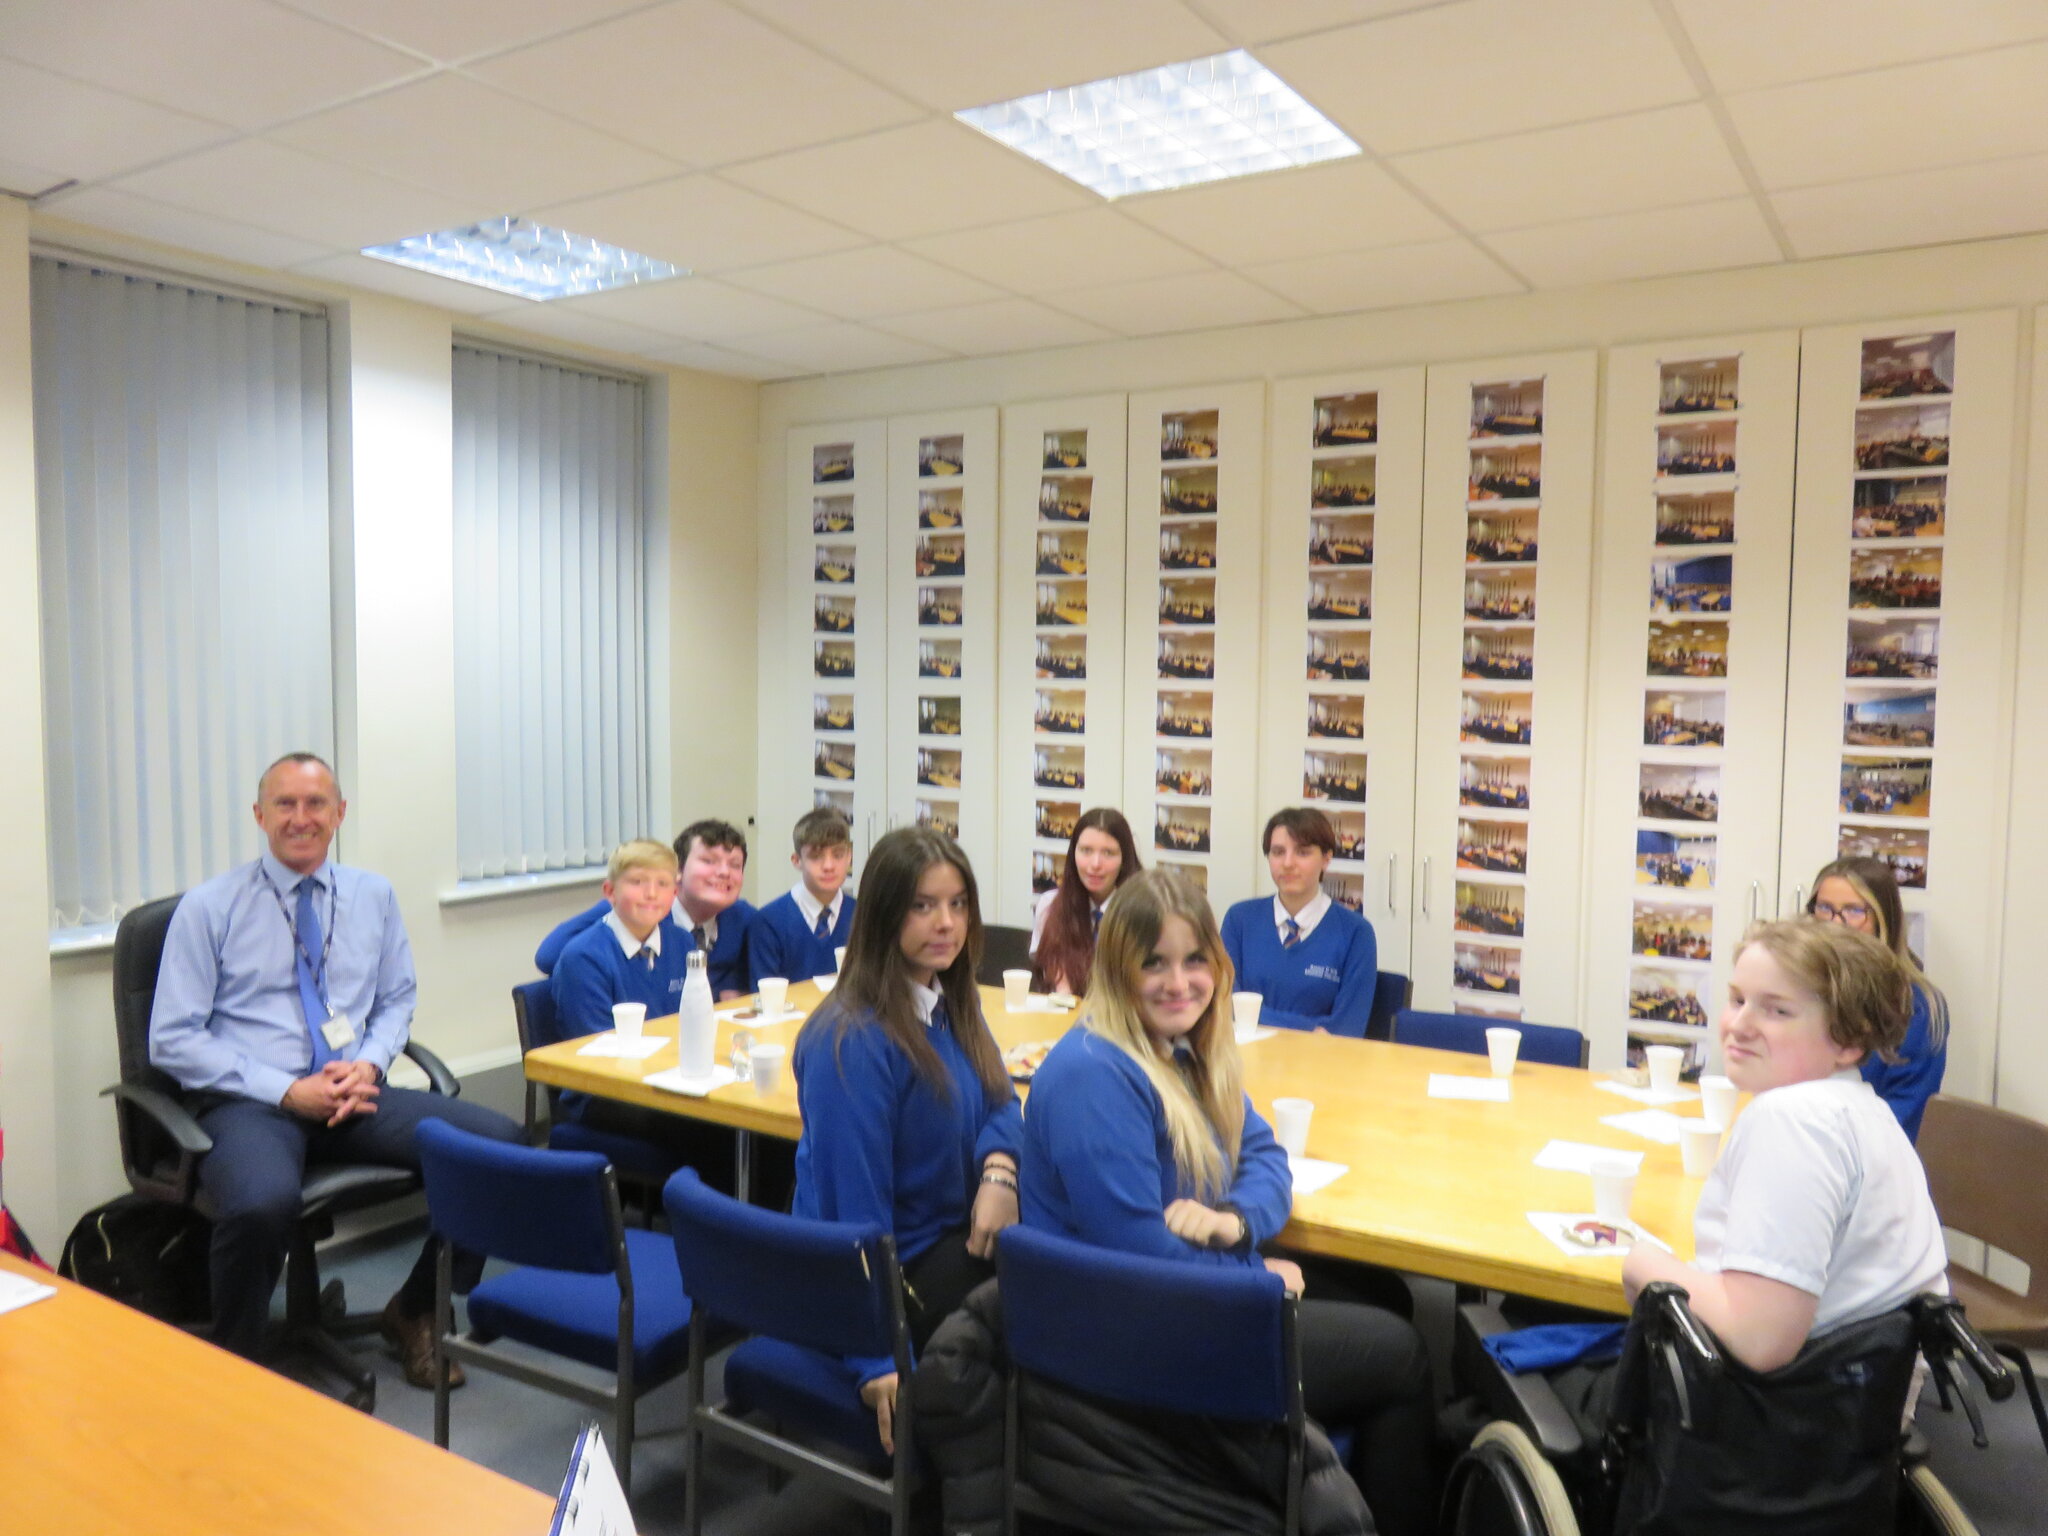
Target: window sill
{"x": 91, "y": 939}
{"x": 497, "y": 888}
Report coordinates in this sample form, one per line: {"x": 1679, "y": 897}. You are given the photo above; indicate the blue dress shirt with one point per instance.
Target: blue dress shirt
{"x": 228, "y": 1016}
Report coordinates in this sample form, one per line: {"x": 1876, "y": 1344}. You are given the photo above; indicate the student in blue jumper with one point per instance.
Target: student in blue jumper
{"x": 1313, "y": 961}
{"x": 800, "y": 932}
{"x": 1101, "y": 855}
{"x": 910, "y": 1122}
{"x": 1861, "y": 893}
{"x": 1140, "y": 1137}
{"x": 707, "y": 907}
{"x": 634, "y": 953}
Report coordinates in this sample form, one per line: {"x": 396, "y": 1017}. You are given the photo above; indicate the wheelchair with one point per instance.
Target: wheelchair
{"x": 1693, "y": 1443}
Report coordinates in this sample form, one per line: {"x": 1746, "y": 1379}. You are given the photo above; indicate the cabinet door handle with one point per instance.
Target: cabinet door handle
{"x": 1393, "y": 864}
{"x": 1425, "y": 887}
{"x": 1798, "y": 900}
{"x": 1756, "y": 899}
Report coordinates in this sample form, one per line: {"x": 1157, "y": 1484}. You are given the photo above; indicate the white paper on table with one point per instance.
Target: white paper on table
{"x": 19, "y": 1290}
{"x": 741, "y": 1017}
{"x": 1651, "y": 1124}
{"x": 1646, "y": 1095}
{"x": 1553, "y": 1224}
{"x": 1255, "y": 1036}
{"x": 1038, "y": 1003}
{"x": 1449, "y": 1085}
{"x": 1579, "y": 1156}
{"x": 591, "y": 1502}
{"x": 1313, "y": 1173}
{"x": 672, "y": 1081}
{"x": 626, "y": 1048}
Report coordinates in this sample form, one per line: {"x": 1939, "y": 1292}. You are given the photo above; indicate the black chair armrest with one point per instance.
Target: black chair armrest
{"x": 173, "y": 1181}
{"x": 1529, "y": 1401}
{"x": 168, "y": 1115}
{"x": 439, "y": 1079}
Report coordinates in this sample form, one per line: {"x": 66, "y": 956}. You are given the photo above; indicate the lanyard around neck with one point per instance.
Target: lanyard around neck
{"x": 318, "y": 971}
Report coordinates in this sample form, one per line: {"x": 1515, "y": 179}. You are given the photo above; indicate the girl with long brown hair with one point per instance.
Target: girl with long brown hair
{"x": 1101, "y": 856}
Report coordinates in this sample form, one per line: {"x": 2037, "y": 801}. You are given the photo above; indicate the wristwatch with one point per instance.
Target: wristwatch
{"x": 1243, "y": 1245}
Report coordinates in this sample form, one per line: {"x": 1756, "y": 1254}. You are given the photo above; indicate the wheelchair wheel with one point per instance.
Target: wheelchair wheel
{"x": 1930, "y": 1508}
{"x": 1503, "y": 1486}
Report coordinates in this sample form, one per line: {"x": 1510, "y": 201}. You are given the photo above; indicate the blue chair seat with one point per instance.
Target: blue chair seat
{"x": 632, "y": 1157}
{"x": 576, "y": 1315}
{"x": 804, "y": 1389}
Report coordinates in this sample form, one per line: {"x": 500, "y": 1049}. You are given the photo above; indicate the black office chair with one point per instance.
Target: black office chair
{"x": 161, "y": 1145}
{"x": 1391, "y": 994}
{"x": 1003, "y": 949}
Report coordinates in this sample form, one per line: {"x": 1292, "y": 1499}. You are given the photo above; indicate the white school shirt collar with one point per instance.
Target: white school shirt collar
{"x": 685, "y": 922}
{"x": 807, "y": 904}
{"x": 1306, "y": 918}
{"x": 624, "y": 935}
{"x": 925, "y": 999}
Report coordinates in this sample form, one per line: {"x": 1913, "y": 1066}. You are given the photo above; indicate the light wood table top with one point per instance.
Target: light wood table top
{"x": 111, "y": 1421}
{"x": 1436, "y": 1186}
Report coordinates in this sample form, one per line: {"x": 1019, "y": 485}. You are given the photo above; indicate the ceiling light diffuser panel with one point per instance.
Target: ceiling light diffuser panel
{"x": 525, "y": 259}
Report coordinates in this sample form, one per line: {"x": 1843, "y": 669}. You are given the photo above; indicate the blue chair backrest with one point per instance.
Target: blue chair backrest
{"x": 1550, "y": 1043}
{"x": 821, "y": 1284}
{"x": 523, "y": 1204}
{"x": 1390, "y": 994}
{"x": 535, "y": 1003}
{"x": 1188, "y": 1338}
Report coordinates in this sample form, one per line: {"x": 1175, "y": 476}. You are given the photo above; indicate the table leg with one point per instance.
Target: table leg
{"x": 742, "y": 1165}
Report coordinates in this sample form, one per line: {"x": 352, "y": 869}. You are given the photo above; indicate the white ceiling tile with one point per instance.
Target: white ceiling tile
{"x": 920, "y": 180}
{"x": 697, "y": 308}
{"x": 701, "y": 223}
{"x": 1750, "y": 43}
{"x": 1265, "y": 21}
{"x": 110, "y": 209}
{"x": 335, "y": 206}
{"x": 1430, "y": 273}
{"x": 1486, "y": 67}
{"x": 404, "y": 283}
{"x": 1963, "y": 202}
{"x": 81, "y": 131}
{"x": 245, "y": 62}
{"x": 456, "y": 136}
{"x": 701, "y": 82}
{"x": 1941, "y": 112}
{"x": 1004, "y": 325}
{"x": 1646, "y": 160}
{"x": 1061, "y": 250}
{"x": 859, "y": 285}
{"x": 951, "y": 56}
{"x": 447, "y": 30}
{"x": 555, "y": 321}
{"x": 838, "y": 346}
{"x": 1195, "y": 301}
{"x": 1347, "y": 206}
{"x": 705, "y": 358}
{"x": 1704, "y": 238}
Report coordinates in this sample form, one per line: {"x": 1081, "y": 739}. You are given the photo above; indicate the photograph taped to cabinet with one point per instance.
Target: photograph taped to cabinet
{"x": 1501, "y": 847}
{"x": 1181, "y": 828}
{"x": 939, "y": 605}
{"x": 832, "y": 711}
{"x": 939, "y": 767}
{"x": 1345, "y": 889}
{"x": 1699, "y": 386}
{"x": 839, "y": 800}
{"x": 1336, "y": 716}
{"x": 938, "y": 714}
{"x": 1875, "y": 716}
{"x": 1188, "y": 435}
{"x": 938, "y": 815}
{"x": 1186, "y": 714}
{"x": 1895, "y": 578}
{"x": 1677, "y": 861}
{"x": 1887, "y": 786}
{"x": 1346, "y": 421}
{"x": 832, "y": 658}
{"x": 1902, "y": 849}
{"x": 1333, "y": 776}
{"x": 830, "y": 462}
{"x": 1064, "y": 711}
{"x": 1505, "y": 719}
{"x": 1058, "y": 768}
{"x": 1187, "y": 493}
{"x": 1046, "y": 869}
{"x": 1688, "y": 519}
{"x": 1057, "y": 819}
{"x": 1500, "y": 538}
{"x": 1663, "y": 930}
{"x": 1696, "y": 448}
{"x": 1692, "y": 1041}
{"x": 938, "y": 658}
{"x": 1905, "y": 649}
{"x": 940, "y": 457}
{"x": 1339, "y": 655}
{"x": 942, "y": 555}
{"x": 1509, "y": 408}
{"x": 832, "y": 615}
{"x": 1501, "y": 597}
{"x": 1187, "y": 547}
{"x": 938, "y": 509}
{"x": 1696, "y": 648}
{"x": 831, "y": 514}
{"x": 1067, "y": 500}
{"x": 1492, "y": 970}
{"x": 1187, "y": 600}
{"x": 1063, "y": 604}
{"x": 1899, "y": 507}
{"x": 1350, "y": 829}
{"x": 1902, "y": 367}
{"x": 1341, "y": 599}
{"x": 1340, "y": 539}
{"x": 1667, "y": 995}
{"x": 1062, "y": 656}
{"x": 1500, "y": 655}
{"x": 1063, "y": 554}
{"x": 1187, "y": 657}
{"x": 1335, "y": 484}
{"x": 1493, "y": 783}
{"x": 834, "y": 564}
{"x": 1702, "y": 584}
{"x": 1685, "y": 719}
{"x": 1901, "y": 436}
{"x": 1494, "y": 910}
{"x": 1506, "y": 473}
{"x": 1182, "y": 771}
{"x": 1196, "y": 874}
{"x": 1678, "y": 792}
{"x": 832, "y": 760}
{"x": 1065, "y": 449}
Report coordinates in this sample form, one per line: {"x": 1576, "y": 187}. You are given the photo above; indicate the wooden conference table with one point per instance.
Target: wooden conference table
{"x": 112, "y": 1421}
{"x": 1437, "y": 1187}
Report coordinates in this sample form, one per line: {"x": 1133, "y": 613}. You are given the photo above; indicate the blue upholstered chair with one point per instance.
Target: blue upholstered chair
{"x": 1149, "y": 1333}
{"x": 1391, "y": 993}
{"x": 1550, "y": 1043}
{"x": 641, "y": 1166}
{"x": 590, "y": 1291}
{"x": 810, "y": 1293}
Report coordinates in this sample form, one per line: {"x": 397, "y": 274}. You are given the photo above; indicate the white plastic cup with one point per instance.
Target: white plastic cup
{"x": 1016, "y": 990}
{"x": 627, "y": 1018}
{"x": 765, "y": 1059}
{"x": 1699, "y": 1141}
{"x": 1290, "y": 1125}
{"x": 1718, "y": 1098}
{"x": 774, "y": 995}
{"x": 1665, "y": 1062}
{"x": 1614, "y": 1188}
{"x": 839, "y": 958}
{"x": 1244, "y": 1012}
{"x": 823, "y": 983}
{"x": 1501, "y": 1048}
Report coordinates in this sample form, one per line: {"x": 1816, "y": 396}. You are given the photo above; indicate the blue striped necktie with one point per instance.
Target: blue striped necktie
{"x": 823, "y": 932}
{"x": 1293, "y": 935}
{"x": 308, "y": 925}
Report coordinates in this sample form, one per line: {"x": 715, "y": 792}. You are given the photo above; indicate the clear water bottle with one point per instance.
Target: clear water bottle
{"x": 697, "y": 1030}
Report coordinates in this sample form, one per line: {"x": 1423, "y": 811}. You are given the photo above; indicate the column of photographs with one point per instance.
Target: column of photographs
{"x": 1185, "y": 718}
{"x": 1504, "y": 498}
{"x": 1066, "y": 491}
{"x": 1685, "y": 704}
{"x": 1343, "y": 493}
{"x": 1898, "y": 517}
{"x": 940, "y": 561}
{"x": 832, "y": 649}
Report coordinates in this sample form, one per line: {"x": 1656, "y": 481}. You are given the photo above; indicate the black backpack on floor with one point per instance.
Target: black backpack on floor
{"x": 145, "y": 1254}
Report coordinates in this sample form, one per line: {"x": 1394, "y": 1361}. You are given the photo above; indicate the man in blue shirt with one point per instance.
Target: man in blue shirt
{"x": 285, "y": 992}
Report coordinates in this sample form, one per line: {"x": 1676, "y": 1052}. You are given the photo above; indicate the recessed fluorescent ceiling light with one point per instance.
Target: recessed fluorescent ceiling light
{"x": 1174, "y": 126}
{"x": 516, "y": 256}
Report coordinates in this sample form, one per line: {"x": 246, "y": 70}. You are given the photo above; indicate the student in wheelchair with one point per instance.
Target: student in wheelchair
{"x": 1765, "y": 1385}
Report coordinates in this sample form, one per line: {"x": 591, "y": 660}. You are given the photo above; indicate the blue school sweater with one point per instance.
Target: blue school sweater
{"x": 1098, "y": 1162}
{"x": 1324, "y": 982}
{"x": 881, "y": 1147}
{"x": 1908, "y": 1086}
{"x": 594, "y": 971}
{"x": 727, "y": 964}
{"x": 782, "y": 943}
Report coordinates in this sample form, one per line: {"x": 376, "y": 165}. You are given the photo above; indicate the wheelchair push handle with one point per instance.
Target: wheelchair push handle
{"x": 1946, "y": 1331}
{"x": 1667, "y": 1308}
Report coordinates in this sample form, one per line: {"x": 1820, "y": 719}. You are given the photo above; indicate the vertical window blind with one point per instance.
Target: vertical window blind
{"x": 550, "y": 615}
{"x": 182, "y": 516}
